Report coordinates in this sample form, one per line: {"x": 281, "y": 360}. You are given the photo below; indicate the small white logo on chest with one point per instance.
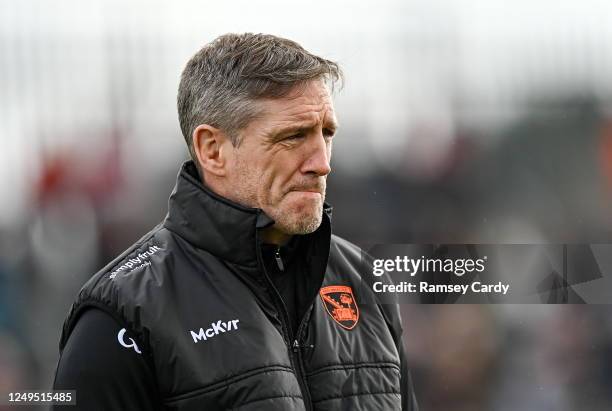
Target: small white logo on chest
{"x": 215, "y": 328}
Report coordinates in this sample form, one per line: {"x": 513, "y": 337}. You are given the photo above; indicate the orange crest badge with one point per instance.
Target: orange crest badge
{"x": 340, "y": 304}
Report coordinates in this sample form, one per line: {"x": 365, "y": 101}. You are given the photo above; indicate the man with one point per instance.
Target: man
{"x": 241, "y": 298}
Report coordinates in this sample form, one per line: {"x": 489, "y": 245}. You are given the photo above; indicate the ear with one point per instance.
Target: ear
{"x": 209, "y": 145}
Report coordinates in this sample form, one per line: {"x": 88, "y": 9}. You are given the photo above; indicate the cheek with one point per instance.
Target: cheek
{"x": 270, "y": 185}
{"x": 246, "y": 178}
{"x": 274, "y": 182}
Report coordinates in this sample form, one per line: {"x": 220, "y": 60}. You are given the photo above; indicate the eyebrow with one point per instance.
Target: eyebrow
{"x": 302, "y": 128}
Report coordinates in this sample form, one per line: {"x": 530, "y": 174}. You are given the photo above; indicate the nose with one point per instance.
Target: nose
{"x": 318, "y": 156}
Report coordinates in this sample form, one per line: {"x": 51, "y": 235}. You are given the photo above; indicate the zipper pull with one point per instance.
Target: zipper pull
{"x": 296, "y": 346}
{"x": 279, "y": 260}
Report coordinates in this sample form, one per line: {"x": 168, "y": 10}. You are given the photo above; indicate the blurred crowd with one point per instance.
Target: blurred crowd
{"x": 430, "y": 150}
{"x": 527, "y": 357}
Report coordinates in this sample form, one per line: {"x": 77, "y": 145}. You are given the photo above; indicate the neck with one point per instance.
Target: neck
{"x": 271, "y": 235}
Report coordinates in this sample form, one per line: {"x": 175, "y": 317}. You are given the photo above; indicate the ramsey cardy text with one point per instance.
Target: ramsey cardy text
{"x": 425, "y": 287}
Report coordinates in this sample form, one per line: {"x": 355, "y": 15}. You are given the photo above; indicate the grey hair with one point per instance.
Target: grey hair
{"x": 222, "y": 81}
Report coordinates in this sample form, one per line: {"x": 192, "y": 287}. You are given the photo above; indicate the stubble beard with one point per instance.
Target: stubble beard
{"x": 305, "y": 222}
{"x": 287, "y": 220}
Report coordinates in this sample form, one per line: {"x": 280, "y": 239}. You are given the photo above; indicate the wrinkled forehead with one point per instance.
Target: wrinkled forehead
{"x": 309, "y": 104}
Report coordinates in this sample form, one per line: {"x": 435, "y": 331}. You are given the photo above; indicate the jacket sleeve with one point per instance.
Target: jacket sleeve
{"x": 394, "y": 321}
{"x": 391, "y": 312}
{"x": 409, "y": 401}
{"x": 106, "y": 374}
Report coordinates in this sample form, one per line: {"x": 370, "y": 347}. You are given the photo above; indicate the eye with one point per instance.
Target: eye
{"x": 295, "y": 136}
{"x": 328, "y": 133}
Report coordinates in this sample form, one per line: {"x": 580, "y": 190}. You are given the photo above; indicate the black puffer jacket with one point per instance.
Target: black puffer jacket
{"x": 214, "y": 328}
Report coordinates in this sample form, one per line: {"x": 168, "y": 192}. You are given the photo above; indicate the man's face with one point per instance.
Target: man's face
{"x": 282, "y": 162}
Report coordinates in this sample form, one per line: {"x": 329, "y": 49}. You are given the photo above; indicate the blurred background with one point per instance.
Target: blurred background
{"x": 468, "y": 121}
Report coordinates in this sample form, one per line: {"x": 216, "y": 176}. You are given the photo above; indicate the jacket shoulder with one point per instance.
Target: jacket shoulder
{"x": 143, "y": 257}
{"x": 339, "y": 247}
{"x": 344, "y": 254}
{"x": 119, "y": 286}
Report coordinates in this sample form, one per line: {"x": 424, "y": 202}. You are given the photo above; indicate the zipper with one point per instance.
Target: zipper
{"x": 297, "y": 349}
{"x": 293, "y": 348}
{"x": 279, "y": 260}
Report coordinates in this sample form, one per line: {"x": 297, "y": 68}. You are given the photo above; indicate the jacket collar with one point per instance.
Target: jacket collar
{"x": 222, "y": 227}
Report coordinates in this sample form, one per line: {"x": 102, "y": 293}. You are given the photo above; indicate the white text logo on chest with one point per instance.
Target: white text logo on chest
{"x": 215, "y": 329}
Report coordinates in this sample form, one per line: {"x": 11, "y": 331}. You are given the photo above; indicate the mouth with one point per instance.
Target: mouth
{"x": 307, "y": 191}
{"x": 307, "y": 195}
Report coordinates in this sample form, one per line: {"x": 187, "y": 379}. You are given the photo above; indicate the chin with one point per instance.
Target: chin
{"x": 304, "y": 227}
{"x": 298, "y": 215}
{"x": 300, "y": 223}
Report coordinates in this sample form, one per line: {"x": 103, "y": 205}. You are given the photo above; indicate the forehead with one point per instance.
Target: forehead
{"x": 309, "y": 105}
